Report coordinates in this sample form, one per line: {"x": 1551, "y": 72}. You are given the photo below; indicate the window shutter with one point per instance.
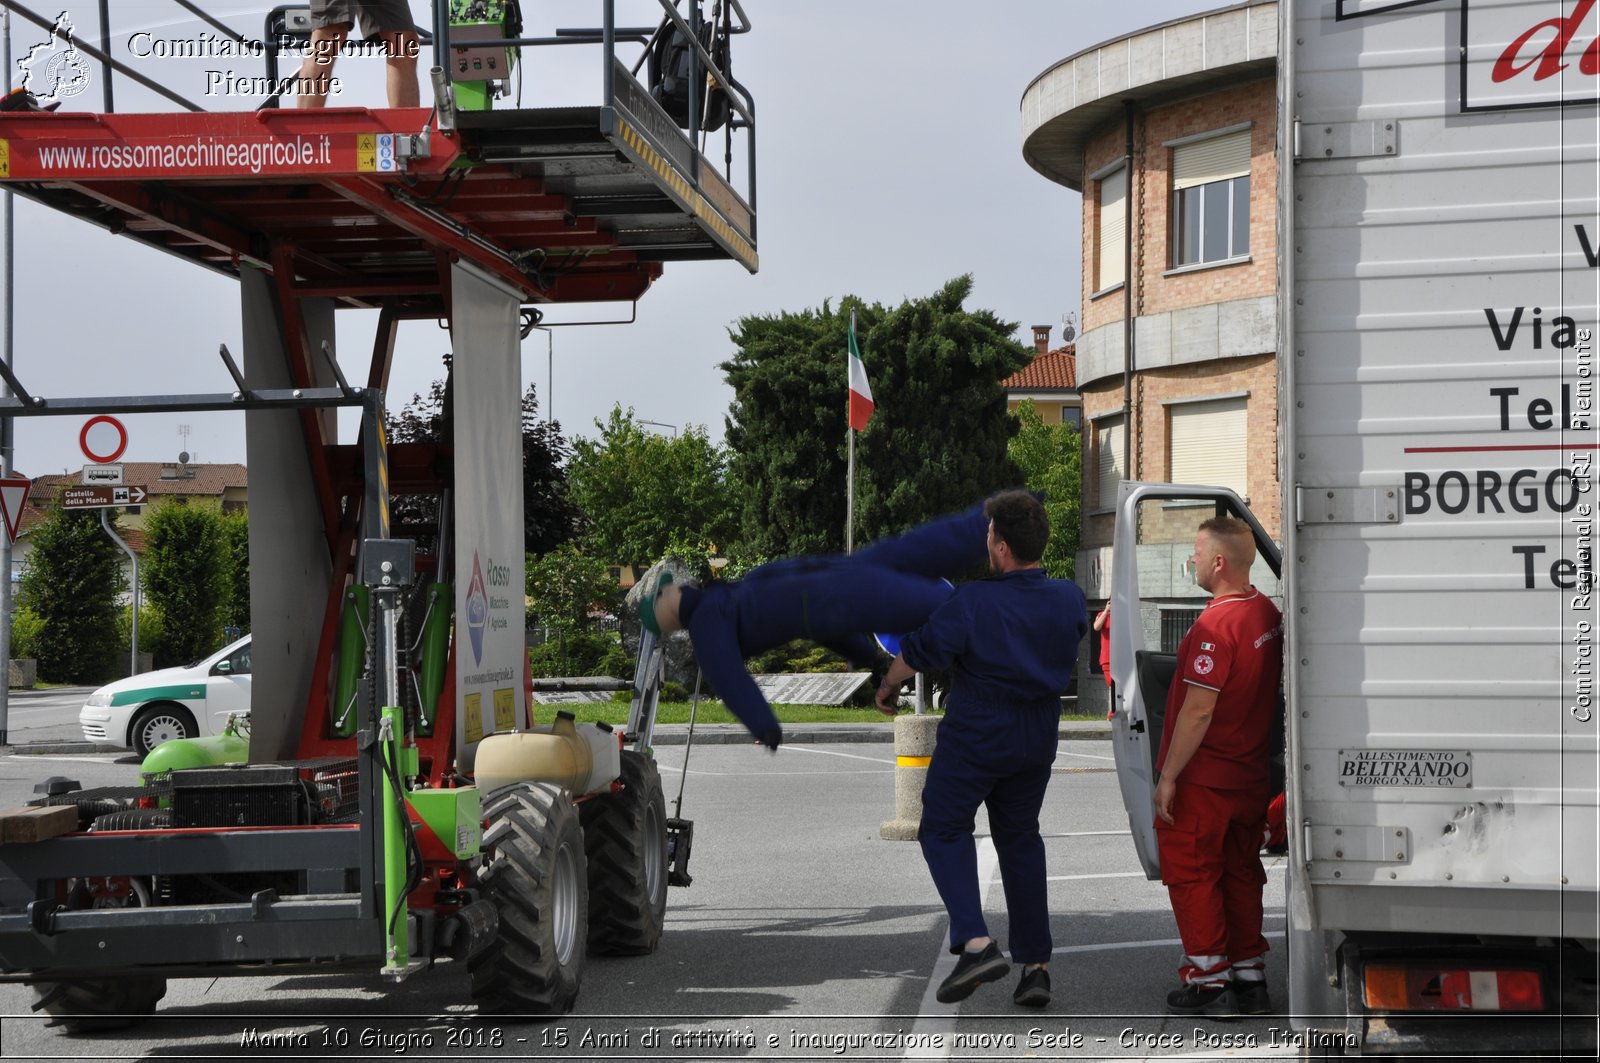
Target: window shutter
{"x": 1214, "y": 159}
{"x": 1207, "y": 444}
{"x": 1113, "y": 229}
{"x": 1110, "y": 461}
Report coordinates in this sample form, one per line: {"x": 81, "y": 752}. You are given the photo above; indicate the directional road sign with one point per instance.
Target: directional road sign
{"x": 101, "y": 497}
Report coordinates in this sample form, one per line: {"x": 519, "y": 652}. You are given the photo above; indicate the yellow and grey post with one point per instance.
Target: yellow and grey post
{"x": 913, "y": 750}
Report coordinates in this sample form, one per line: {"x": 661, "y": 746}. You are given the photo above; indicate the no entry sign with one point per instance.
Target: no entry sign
{"x": 110, "y": 438}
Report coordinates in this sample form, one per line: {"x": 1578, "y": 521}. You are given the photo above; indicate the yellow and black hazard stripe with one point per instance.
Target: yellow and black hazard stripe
{"x": 698, "y": 206}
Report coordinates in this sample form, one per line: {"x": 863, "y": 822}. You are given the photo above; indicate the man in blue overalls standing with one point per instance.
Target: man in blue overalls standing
{"x": 1011, "y": 642}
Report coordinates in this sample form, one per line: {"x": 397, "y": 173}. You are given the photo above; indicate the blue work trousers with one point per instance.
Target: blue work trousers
{"x": 999, "y": 758}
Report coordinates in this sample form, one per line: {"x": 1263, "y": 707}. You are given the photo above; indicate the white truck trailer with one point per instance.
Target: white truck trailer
{"x": 1438, "y": 244}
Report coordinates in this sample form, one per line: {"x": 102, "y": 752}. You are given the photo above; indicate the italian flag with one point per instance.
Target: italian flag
{"x": 861, "y": 404}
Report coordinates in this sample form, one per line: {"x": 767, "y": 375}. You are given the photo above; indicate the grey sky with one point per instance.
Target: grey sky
{"x": 889, "y": 162}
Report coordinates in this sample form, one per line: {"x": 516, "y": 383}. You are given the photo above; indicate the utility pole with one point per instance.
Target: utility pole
{"x": 7, "y": 424}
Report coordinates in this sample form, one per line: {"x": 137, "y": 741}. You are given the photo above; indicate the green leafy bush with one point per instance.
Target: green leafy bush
{"x": 187, "y": 576}
{"x": 25, "y": 628}
{"x": 150, "y": 628}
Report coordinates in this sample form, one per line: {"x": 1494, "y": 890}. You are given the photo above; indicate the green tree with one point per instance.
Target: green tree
{"x": 936, "y": 442}
{"x": 71, "y": 585}
{"x": 568, "y": 588}
{"x": 641, "y": 492}
{"x": 150, "y": 627}
{"x": 236, "y": 541}
{"x": 1051, "y": 459}
{"x": 186, "y": 577}
{"x": 549, "y": 518}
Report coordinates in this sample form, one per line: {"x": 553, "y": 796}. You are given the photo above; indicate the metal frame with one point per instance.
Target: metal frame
{"x": 47, "y": 940}
{"x": 423, "y": 216}
{"x": 598, "y": 252}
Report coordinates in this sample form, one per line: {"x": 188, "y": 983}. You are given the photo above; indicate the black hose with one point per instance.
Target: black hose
{"x": 413, "y": 848}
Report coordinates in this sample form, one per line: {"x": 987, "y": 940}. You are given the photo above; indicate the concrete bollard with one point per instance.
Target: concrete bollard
{"x": 913, "y": 749}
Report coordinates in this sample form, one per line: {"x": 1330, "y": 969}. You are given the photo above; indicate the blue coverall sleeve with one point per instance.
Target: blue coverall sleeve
{"x": 716, "y": 650}
{"x": 949, "y": 546}
{"x": 945, "y": 636}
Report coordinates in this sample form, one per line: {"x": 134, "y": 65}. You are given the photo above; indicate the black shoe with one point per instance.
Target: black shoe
{"x": 1213, "y": 999}
{"x": 972, "y": 970}
{"x": 1033, "y": 991}
{"x": 1251, "y": 997}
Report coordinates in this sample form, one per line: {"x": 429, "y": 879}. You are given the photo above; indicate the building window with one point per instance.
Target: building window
{"x": 1175, "y": 623}
{"x": 1206, "y": 444}
{"x": 1211, "y": 199}
{"x": 1072, "y": 415}
{"x": 1110, "y": 250}
{"x": 1109, "y": 459}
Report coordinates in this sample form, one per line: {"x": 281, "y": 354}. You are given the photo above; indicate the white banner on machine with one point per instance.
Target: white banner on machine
{"x": 486, "y": 404}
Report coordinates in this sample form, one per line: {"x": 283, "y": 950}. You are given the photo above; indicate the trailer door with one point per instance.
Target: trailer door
{"x": 1154, "y": 600}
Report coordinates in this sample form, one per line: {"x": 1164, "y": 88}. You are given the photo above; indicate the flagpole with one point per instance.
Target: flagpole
{"x": 850, "y": 465}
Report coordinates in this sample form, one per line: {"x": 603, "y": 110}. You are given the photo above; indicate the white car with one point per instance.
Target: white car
{"x": 142, "y": 711}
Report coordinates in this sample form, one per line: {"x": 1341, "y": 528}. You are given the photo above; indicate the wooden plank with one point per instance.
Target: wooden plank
{"x": 37, "y": 824}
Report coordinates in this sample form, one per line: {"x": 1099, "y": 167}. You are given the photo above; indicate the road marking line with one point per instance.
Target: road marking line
{"x": 932, "y": 1016}
{"x": 765, "y": 774}
{"x": 1161, "y": 943}
{"x": 849, "y": 756}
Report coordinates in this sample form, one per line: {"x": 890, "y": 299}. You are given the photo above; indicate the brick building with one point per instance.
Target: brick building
{"x": 1169, "y": 134}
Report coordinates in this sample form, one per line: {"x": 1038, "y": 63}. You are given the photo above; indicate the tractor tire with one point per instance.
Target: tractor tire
{"x": 536, "y": 877}
{"x": 626, "y": 838}
{"x": 95, "y": 1005}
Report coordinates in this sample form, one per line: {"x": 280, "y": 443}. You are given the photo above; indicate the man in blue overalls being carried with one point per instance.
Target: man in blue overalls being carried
{"x": 836, "y": 601}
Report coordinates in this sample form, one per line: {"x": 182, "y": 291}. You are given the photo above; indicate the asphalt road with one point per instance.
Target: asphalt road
{"x": 804, "y": 936}
{"x": 36, "y": 716}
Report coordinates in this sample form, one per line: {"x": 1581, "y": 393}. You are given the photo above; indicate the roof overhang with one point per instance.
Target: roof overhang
{"x": 1078, "y": 97}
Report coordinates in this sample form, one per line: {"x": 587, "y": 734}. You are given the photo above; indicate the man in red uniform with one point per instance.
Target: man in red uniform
{"x": 1211, "y": 801}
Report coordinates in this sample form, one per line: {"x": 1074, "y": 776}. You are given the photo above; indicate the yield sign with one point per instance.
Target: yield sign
{"x": 13, "y": 496}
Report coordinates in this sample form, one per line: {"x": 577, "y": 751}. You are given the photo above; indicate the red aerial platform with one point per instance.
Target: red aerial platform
{"x": 369, "y": 206}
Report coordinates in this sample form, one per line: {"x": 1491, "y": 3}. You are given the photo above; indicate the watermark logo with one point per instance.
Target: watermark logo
{"x": 54, "y": 73}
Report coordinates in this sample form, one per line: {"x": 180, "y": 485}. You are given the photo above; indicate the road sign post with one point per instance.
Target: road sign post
{"x": 104, "y": 497}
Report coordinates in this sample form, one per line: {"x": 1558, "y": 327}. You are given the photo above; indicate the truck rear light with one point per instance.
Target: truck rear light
{"x": 1390, "y": 987}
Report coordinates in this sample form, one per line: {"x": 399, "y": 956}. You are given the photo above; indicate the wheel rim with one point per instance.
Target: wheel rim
{"x": 159, "y": 729}
{"x": 655, "y": 856}
{"x": 564, "y": 905}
